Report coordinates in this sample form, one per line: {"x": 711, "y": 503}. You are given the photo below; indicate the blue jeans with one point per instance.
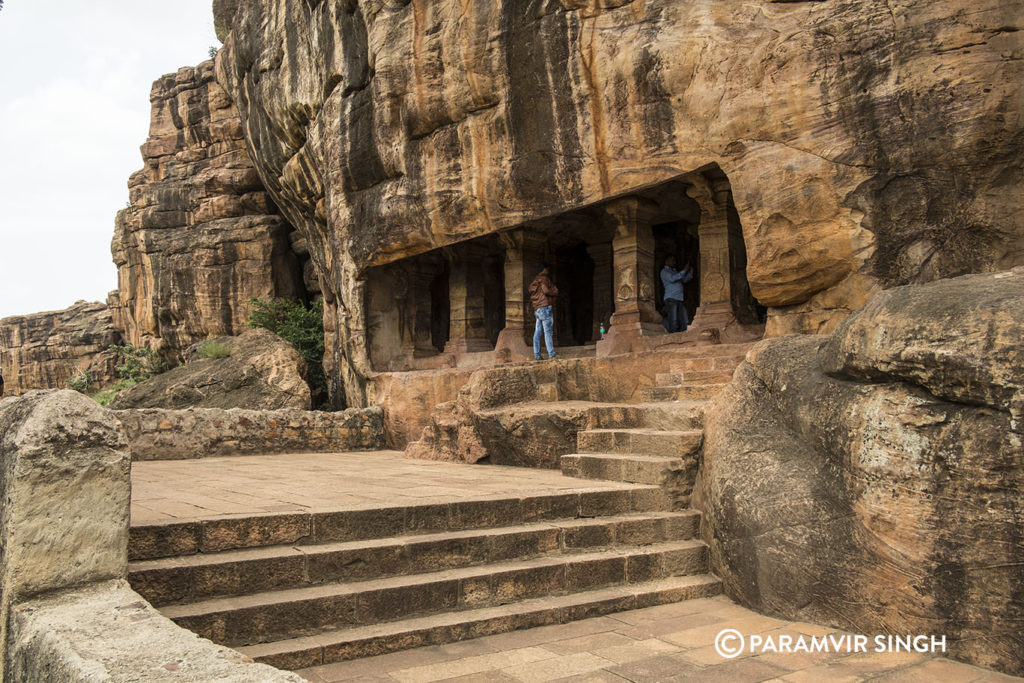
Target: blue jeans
{"x": 678, "y": 319}
{"x": 545, "y": 323}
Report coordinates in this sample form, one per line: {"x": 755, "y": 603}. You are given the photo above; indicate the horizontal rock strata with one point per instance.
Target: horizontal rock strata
{"x": 45, "y": 350}
{"x": 201, "y": 236}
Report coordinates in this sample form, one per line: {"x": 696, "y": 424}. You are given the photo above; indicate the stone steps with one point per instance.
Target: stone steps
{"x": 211, "y": 575}
{"x": 365, "y": 641}
{"x": 681, "y": 392}
{"x": 638, "y": 469}
{"x": 656, "y": 415}
{"x": 442, "y": 628}
{"x": 275, "y": 615}
{"x": 302, "y": 589}
{"x": 658, "y": 442}
{"x": 174, "y": 538}
{"x": 693, "y": 377}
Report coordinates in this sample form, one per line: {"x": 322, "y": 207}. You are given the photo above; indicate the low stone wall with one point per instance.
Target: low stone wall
{"x": 107, "y": 632}
{"x": 158, "y": 434}
{"x": 67, "y": 613}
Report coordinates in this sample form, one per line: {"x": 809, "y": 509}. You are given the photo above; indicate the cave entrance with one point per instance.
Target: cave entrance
{"x": 573, "y": 268}
{"x": 423, "y": 311}
{"x": 450, "y": 306}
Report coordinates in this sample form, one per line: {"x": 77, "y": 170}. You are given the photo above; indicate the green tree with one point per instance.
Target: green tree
{"x": 301, "y": 326}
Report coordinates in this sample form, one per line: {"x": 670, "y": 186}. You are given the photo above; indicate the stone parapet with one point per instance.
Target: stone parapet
{"x": 158, "y": 434}
{"x": 67, "y": 612}
{"x": 108, "y": 632}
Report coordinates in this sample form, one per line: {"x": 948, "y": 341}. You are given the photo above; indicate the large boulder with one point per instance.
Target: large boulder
{"x": 872, "y": 479}
{"x": 262, "y": 372}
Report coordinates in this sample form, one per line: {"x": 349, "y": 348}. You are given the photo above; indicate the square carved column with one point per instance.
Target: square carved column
{"x": 715, "y": 311}
{"x": 524, "y": 251}
{"x": 636, "y": 314}
{"x": 468, "y": 328}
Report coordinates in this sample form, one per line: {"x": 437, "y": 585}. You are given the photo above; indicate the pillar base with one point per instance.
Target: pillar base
{"x": 711, "y": 320}
{"x": 628, "y": 338}
{"x": 511, "y": 347}
{"x": 460, "y": 346}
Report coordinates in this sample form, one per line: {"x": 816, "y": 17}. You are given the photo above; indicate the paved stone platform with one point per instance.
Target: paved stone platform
{"x": 665, "y": 643}
{"x": 211, "y": 487}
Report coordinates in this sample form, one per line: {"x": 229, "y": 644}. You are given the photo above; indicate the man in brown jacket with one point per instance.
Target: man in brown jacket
{"x": 542, "y": 295}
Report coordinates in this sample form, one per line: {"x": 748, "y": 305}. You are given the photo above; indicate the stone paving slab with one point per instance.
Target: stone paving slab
{"x": 666, "y": 643}
{"x": 210, "y": 487}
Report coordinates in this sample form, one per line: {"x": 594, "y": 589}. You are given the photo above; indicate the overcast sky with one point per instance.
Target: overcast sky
{"x": 75, "y": 77}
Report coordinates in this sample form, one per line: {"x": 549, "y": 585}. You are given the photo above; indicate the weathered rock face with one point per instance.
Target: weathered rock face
{"x": 201, "y": 236}
{"x": 44, "y": 350}
{"x": 872, "y": 479}
{"x": 263, "y": 372}
{"x": 866, "y": 144}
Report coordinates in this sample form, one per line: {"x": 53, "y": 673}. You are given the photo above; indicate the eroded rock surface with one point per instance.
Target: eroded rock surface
{"x": 66, "y": 489}
{"x": 45, "y": 350}
{"x": 202, "y": 236}
{"x": 866, "y": 144}
{"x": 872, "y": 479}
{"x": 262, "y": 372}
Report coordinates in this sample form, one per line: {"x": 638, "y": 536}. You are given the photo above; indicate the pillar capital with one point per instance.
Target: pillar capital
{"x": 627, "y": 212}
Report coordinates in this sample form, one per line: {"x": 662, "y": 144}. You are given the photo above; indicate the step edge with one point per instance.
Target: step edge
{"x": 222, "y": 604}
{"x": 362, "y": 632}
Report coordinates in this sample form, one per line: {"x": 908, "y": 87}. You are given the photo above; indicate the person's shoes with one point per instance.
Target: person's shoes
{"x": 553, "y": 356}
{"x": 537, "y": 358}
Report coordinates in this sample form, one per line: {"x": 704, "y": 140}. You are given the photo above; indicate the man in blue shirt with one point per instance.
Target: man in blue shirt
{"x": 673, "y": 279}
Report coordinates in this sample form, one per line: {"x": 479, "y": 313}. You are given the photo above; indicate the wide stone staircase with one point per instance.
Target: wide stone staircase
{"x": 297, "y": 590}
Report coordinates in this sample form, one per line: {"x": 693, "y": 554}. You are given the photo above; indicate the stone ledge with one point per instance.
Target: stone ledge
{"x": 159, "y": 434}
{"x": 108, "y": 632}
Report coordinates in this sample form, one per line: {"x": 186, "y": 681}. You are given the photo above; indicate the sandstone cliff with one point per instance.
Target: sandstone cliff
{"x": 201, "y": 236}
{"x": 872, "y": 479}
{"x": 866, "y": 144}
{"x": 44, "y": 350}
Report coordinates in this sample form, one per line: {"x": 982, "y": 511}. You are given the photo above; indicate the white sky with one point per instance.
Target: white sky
{"x": 75, "y": 77}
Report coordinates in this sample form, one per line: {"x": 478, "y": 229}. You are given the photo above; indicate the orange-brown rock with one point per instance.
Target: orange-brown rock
{"x": 256, "y": 370}
{"x": 45, "y": 350}
{"x": 201, "y": 237}
{"x": 866, "y": 144}
{"x": 871, "y": 479}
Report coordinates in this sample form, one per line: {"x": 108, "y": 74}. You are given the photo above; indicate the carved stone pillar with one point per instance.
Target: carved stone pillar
{"x": 524, "y": 250}
{"x": 636, "y": 314}
{"x": 604, "y": 300}
{"x": 468, "y": 329}
{"x": 715, "y": 311}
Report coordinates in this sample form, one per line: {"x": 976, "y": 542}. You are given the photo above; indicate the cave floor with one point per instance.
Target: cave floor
{"x": 167, "y": 490}
{"x": 672, "y": 642}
